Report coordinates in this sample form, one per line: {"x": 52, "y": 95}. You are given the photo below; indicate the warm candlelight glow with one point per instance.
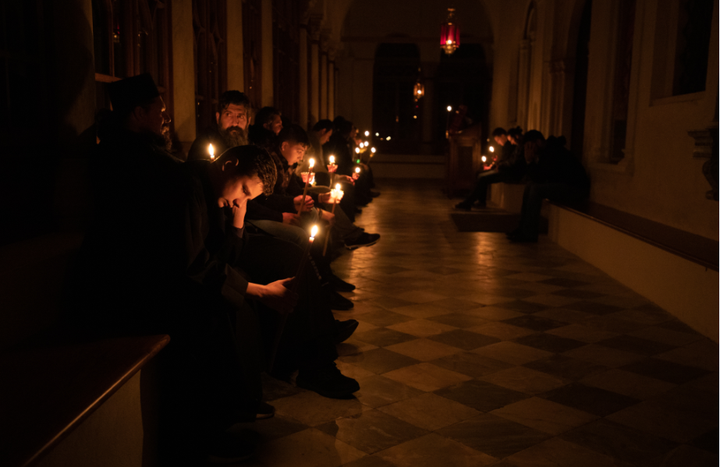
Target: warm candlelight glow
{"x": 311, "y": 163}
{"x": 373, "y": 150}
{"x": 332, "y": 159}
{"x": 377, "y": 134}
{"x": 388, "y": 138}
{"x": 338, "y": 186}
{"x": 211, "y": 150}
{"x": 484, "y": 159}
{"x": 357, "y": 170}
{"x": 492, "y": 149}
{"x": 449, "y": 108}
{"x": 313, "y": 232}
{"x": 357, "y": 150}
{"x": 367, "y": 133}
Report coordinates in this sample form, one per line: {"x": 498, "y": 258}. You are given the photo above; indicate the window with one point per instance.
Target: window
{"x": 209, "y": 27}
{"x": 132, "y": 37}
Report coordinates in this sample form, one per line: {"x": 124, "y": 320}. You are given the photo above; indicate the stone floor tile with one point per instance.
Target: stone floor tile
{"x": 684, "y": 456}
{"x": 551, "y": 300}
{"x": 420, "y": 296}
{"x": 557, "y": 452}
{"x": 549, "y": 343}
{"x": 421, "y": 328}
{"x": 429, "y": 411}
{"x": 460, "y": 320}
{"x": 313, "y": 409}
{"x": 666, "y": 336}
{"x": 501, "y": 330}
{"x": 353, "y": 346}
{"x": 426, "y": 377}
{"x": 471, "y": 364}
{"x": 562, "y": 366}
{"x": 308, "y": 448}
{"x": 590, "y": 399}
{"x": 424, "y": 349}
{"x": 593, "y": 307}
{"x": 382, "y": 337}
{"x": 581, "y": 333}
{"x": 466, "y": 340}
{"x": 544, "y": 415}
{"x": 369, "y": 461}
{"x": 524, "y": 380}
{"x": 701, "y": 354}
{"x": 486, "y": 298}
{"x": 627, "y": 383}
{"x": 383, "y": 318}
{"x": 353, "y": 371}
{"x": 513, "y": 353}
{"x": 360, "y": 431}
{"x": 605, "y": 356}
{"x": 376, "y": 391}
{"x": 636, "y": 345}
{"x": 530, "y": 277}
{"x": 665, "y": 370}
{"x": 422, "y": 310}
{"x": 433, "y": 450}
{"x": 494, "y": 313}
{"x": 618, "y": 441}
{"x": 494, "y": 436}
{"x": 567, "y": 315}
{"x": 536, "y": 323}
{"x": 481, "y": 395}
{"x": 379, "y": 361}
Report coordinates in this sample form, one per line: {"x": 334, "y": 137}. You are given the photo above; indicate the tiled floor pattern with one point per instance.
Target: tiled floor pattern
{"x": 472, "y": 351}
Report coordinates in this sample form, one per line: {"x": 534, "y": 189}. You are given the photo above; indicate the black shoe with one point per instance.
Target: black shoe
{"x": 344, "y": 329}
{"x": 335, "y": 300}
{"x": 339, "y": 284}
{"x": 327, "y": 381}
{"x": 365, "y": 239}
{"x": 264, "y": 411}
{"x": 463, "y": 206}
{"x": 374, "y": 194}
{"x": 228, "y": 448}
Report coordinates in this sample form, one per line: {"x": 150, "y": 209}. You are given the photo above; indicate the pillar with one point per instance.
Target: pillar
{"x": 183, "y": 73}
{"x": 323, "y": 85}
{"x": 266, "y": 49}
{"x": 235, "y": 46}
{"x": 303, "y": 81}
{"x": 314, "y": 80}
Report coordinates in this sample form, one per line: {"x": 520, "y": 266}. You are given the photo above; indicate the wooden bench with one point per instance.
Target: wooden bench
{"x": 66, "y": 401}
{"x": 675, "y": 269}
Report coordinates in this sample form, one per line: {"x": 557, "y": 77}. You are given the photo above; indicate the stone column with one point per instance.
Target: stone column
{"x": 303, "y": 79}
{"x": 323, "y": 85}
{"x": 314, "y": 77}
{"x": 266, "y": 48}
{"x": 523, "y": 83}
{"x": 331, "y": 85}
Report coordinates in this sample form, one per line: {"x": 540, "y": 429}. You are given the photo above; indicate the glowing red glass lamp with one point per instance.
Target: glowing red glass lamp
{"x": 450, "y": 33}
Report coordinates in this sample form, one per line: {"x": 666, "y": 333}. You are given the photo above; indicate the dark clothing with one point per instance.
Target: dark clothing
{"x": 155, "y": 261}
{"x": 555, "y": 175}
{"x": 484, "y": 180}
{"x": 512, "y": 165}
{"x": 262, "y": 137}
{"x": 340, "y": 148}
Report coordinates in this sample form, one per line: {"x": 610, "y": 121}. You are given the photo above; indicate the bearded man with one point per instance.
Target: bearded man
{"x": 230, "y": 131}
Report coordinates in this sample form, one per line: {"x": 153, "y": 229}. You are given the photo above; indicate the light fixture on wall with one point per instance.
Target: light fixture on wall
{"x": 450, "y": 33}
{"x": 418, "y": 91}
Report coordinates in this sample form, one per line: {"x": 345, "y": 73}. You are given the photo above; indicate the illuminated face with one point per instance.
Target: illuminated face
{"x": 275, "y": 125}
{"x": 293, "y": 152}
{"x": 237, "y": 191}
{"x": 232, "y": 117}
{"x": 155, "y": 118}
{"x": 501, "y": 140}
{"x": 325, "y": 136}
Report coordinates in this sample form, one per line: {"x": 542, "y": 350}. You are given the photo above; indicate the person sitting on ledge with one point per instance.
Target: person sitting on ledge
{"x": 554, "y": 174}
{"x": 229, "y": 130}
{"x": 506, "y": 170}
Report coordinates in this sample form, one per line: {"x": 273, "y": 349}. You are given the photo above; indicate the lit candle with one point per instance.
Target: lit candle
{"x": 484, "y": 159}
{"x": 377, "y": 134}
{"x": 373, "y": 150}
{"x": 356, "y": 175}
{"x": 367, "y": 133}
{"x": 335, "y": 197}
{"x": 357, "y": 150}
{"x": 303, "y": 260}
{"x": 211, "y": 150}
{"x": 311, "y": 164}
{"x": 388, "y": 138}
{"x": 449, "y": 108}
{"x": 492, "y": 149}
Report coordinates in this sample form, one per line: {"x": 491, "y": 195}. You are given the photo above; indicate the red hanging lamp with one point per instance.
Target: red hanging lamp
{"x": 450, "y": 33}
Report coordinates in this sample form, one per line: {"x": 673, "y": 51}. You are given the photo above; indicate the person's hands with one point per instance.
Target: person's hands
{"x": 308, "y": 202}
{"x": 239, "y": 208}
{"x": 276, "y": 295}
{"x": 328, "y": 216}
{"x": 327, "y": 198}
{"x": 291, "y": 219}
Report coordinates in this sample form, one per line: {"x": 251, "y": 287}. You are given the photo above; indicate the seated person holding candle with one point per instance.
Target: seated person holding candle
{"x": 148, "y": 266}
{"x": 554, "y": 174}
{"x": 230, "y": 129}
{"x": 505, "y": 170}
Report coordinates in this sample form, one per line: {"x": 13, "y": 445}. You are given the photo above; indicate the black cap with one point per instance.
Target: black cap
{"x": 532, "y": 135}
{"x": 128, "y": 93}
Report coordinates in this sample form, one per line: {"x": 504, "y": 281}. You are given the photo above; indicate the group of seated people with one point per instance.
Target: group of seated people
{"x": 216, "y": 253}
{"x": 546, "y": 166}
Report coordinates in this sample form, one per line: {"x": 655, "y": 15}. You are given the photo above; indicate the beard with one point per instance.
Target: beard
{"x": 234, "y": 136}
{"x": 163, "y": 140}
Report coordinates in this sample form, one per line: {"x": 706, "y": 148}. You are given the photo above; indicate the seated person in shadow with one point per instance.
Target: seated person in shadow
{"x": 553, "y": 173}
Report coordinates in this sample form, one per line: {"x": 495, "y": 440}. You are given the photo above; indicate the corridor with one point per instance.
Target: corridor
{"x": 472, "y": 351}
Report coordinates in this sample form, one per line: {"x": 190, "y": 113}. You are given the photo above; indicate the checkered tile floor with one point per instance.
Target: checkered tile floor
{"x": 472, "y": 351}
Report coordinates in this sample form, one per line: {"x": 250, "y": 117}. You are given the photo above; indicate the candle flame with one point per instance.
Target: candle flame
{"x": 367, "y": 144}
{"x": 332, "y": 159}
{"x": 314, "y": 231}
{"x": 211, "y": 150}
{"x": 357, "y": 150}
{"x": 388, "y": 138}
{"x": 367, "y": 133}
{"x": 492, "y": 149}
{"x": 484, "y": 158}
{"x": 312, "y": 163}
{"x": 449, "y": 108}
{"x": 357, "y": 170}
{"x": 373, "y": 150}
{"x": 337, "y": 186}
{"x": 377, "y": 134}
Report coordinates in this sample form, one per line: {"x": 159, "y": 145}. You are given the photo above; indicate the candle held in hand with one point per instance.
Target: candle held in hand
{"x": 211, "y": 151}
